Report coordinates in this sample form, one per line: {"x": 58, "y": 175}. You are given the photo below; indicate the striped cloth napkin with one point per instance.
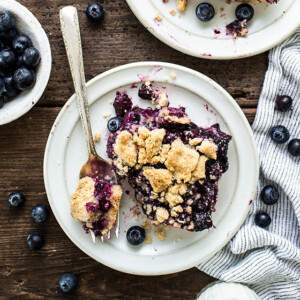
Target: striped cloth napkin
{"x": 268, "y": 260}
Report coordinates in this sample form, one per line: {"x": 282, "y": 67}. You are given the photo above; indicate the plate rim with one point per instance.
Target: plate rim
{"x": 200, "y": 76}
{"x": 171, "y": 42}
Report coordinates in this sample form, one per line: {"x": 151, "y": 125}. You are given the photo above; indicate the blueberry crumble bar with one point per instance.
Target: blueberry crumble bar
{"x": 96, "y": 204}
{"x": 173, "y": 165}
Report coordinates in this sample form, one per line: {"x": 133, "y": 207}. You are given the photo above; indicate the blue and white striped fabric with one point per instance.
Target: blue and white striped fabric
{"x": 268, "y": 260}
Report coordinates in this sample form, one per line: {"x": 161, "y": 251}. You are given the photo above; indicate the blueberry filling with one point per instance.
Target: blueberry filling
{"x": 199, "y": 198}
{"x": 102, "y": 194}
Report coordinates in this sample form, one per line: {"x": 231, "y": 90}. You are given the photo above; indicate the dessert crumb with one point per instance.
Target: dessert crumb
{"x": 149, "y": 240}
{"x": 172, "y": 12}
{"x": 106, "y": 115}
{"x": 166, "y": 78}
{"x": 160, "y": 233}
{"x": 173, "y": 75}
{"x": 146, "y": 225}
{"x": 97, "y": 136}
{"x": 147, "y": 83}
{"x": 166, "y": 227}
{"x": 158, "y": 17}
{"x": 111, "y": 101}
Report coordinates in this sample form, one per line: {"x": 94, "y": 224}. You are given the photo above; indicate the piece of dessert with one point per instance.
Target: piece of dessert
{"x": 173, "y": 165}
{"x": 96, "y": 204}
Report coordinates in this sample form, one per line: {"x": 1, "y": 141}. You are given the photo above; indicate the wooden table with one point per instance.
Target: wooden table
{"x": 121, "y": 39}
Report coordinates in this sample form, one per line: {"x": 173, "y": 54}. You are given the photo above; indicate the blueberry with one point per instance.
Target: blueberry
{"x": 16, "y": 199}
{"x": 8, "y": 36}
{"x": 136, "y": 235}
{"x": 244, "y": 12}
{"x": 279, "y": 134}
{"x": 3, "y": 99}
{"x": 269, "y": 195}
{"x": 24, "y": 78}
{"x": 40, "y": 213}
{"x": 95, "y": 12}
{"x": 114, "y": 124}
{"x": 2, "y": 87}
{"x": 20, "y": 43}
{"x": 11, "y": 90}
{"x": 31, "y": 57}
{"x": 205, "y": 12}
{"x": 7, "y": 59}
{"x": 262, "y": 219}
{"x": 284, "y": 103}
{"x": 294, "y": 147}
{"x": 1, "y": 45}
{"x": 7, "y": 21}
{"x": 67, "y": 282}
{"x": 35, "y": 241}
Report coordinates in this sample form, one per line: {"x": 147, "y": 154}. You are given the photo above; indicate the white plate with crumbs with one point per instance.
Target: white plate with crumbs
{"x": 206, "y": 103}
{"x": 271, "y": 24}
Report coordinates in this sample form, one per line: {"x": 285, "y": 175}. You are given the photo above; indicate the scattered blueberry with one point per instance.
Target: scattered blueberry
{"x": 16, "y": 199}
{"x": 31, "y": 57}
{"x": 40, "y": 213}
{"x": 279, "y": 134}
{"x": 244, "y": 12}
{"x": 284, "y": 103}
{"x": 7, "y": 21}
{"x": 20, "y": 43}
{"x": 136, "y": 235}
{"x": 24, "y": 78}
{"x": 269, "y": 195}
{"x": 67, "y": 282}
{"x": 95, "y": 12}
{"x": 205, "y": 12}
{"x": 7, "y": 59}
{"x": 114, "y": 124}
{"x": 11, "y": 90}
{"x": 35, "y": 241}
{"x": 262, "y": 219}
{"x": 294, "y": 147}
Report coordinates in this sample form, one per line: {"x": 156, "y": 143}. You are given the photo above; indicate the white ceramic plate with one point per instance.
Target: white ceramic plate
{"x": 270, "y": 25}
{"x": 206, "y": 103}
{"x": 27, "y": 24}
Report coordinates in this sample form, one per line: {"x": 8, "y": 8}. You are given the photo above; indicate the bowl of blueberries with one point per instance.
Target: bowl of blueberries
{"x": 25, "y": 61}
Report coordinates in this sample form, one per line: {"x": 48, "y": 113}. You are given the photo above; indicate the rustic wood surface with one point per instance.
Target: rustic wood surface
{"x": 121, "y": 39}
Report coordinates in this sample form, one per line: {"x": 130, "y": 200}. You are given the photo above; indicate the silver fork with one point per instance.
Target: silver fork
{"x": 95, "y": 166}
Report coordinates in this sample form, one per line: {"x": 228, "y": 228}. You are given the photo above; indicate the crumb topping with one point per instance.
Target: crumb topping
{"x": 182, "y": 161}
{"x": 83, "y": 194}
{"x": 199, "y": 172}
{"x": 161, "y": 214}
{"x": 160, "y": 179}
{"x": 165, "y": 114}
{"x": 173, "y": 195}
{"x": 195, "y": 141}
{"x": 126, "y": 149}
{"x": 208, "y": 148}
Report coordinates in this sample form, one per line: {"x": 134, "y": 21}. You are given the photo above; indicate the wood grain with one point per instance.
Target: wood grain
{"x": 121, "y": 39}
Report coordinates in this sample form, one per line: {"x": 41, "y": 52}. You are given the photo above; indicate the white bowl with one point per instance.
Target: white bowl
{"x": 27, "y": 24}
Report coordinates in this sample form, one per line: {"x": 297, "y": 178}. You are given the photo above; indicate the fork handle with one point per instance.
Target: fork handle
{"x": 71, "y": 35}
